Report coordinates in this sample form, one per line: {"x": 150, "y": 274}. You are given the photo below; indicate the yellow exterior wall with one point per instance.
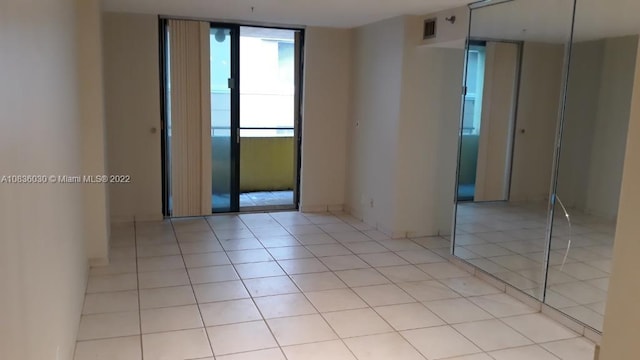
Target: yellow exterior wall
{"x": 266, "y": 163}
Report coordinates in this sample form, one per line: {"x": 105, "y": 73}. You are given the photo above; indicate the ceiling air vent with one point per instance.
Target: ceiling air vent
{"x": 429, "y": 31}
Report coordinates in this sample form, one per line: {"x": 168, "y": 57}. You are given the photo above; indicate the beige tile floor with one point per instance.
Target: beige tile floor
{"x": 300, "y": 287}
{"x": 508, "y": 241}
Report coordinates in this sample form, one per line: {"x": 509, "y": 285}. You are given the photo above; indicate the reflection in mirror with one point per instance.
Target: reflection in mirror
{"x": 590, "y": 173}
{"x": 488, "y": 121}
{"x": 514, "y": 82}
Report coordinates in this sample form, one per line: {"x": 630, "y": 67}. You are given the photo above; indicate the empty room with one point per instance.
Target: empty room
{"x": 356, "y": 180}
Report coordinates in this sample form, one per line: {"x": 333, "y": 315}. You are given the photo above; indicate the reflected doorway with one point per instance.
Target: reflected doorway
{"x": 487, "y": 132}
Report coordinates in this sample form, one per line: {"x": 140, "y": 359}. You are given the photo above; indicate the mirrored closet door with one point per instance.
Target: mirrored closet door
{"x": 514, "y": 85}
{"x": 589, "y": 175}
{"x": 542, "y": 145}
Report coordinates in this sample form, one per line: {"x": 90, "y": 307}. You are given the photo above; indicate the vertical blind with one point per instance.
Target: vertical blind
{"x": 190, "y": 117}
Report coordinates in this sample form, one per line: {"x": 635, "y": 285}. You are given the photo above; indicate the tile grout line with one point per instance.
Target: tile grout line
{"x": 528, "y": 338}
{"x": 293, "y": 282}
{"x": 370, "y": 307}
{"x": 263, "y": 319}
{"x": 135, "y": 243}
{"x": 339, "y": 338}
{"x": 289, "y": 277}
{"x": 533, "y": 343}
{"x": 418, "y": 302}
{"x": 462, "y": 296}
{"x": 186, "y": 269}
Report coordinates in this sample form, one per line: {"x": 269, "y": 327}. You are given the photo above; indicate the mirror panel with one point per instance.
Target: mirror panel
{"x": 514, "y": 84}
{"x": 536, "y": 122}
{"x": 590, "y": 171}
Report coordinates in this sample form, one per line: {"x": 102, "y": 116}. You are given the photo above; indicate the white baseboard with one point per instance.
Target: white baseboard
{"x": 119, "y": 219}
{"x": 419, "y": 234}
{"x": 313, "y": 208}
{"x": 146, "y": 217}
{"x": 321, "y": 208}
{"x": 98, "y": 262}
{"x": 353, "y": 212}
{"x": 392, "y": 234}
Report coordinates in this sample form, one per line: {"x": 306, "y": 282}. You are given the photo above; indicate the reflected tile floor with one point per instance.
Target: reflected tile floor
{"x": 508, "y": 241}
{"x": 298, "y": 286}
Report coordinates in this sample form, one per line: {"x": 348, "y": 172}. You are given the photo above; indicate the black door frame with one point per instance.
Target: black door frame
{"x": 235, "y": 111}
{"x": 234, "y": 85}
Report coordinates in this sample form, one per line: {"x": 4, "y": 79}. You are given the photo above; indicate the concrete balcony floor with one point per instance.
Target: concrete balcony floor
{"x": 266, "y": 198}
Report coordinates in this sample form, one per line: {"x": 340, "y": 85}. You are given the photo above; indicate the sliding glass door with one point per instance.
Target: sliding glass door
{"x": 267, "y": 118}
{"x": 236, "y": 103}
{"x": 224, "y": 118}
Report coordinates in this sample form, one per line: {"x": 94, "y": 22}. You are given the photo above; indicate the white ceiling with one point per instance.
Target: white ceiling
{"x": 330, "y": 13}
{"x": 542, "y": 20}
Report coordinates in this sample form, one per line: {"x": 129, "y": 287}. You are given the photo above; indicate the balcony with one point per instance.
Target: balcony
{"x": 267, "y": 175}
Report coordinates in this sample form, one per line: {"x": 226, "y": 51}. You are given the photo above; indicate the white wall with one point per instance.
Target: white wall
{"x": 581, "y": 113}
{"x": 132, "y": 102}
{"x": 403, "y": 132}
{"x": 622, "y": 316}
{"x": 614, "y": 104}
{"x": 428, "y": 135}
{"x": 91, "y": 97}
{"x": 43, "y": 264}
{"x": 133, "y": 108}
{"x": 595, "y": 130}
{"x": 373, "y": 129}
{"x": 327, "y": 83}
